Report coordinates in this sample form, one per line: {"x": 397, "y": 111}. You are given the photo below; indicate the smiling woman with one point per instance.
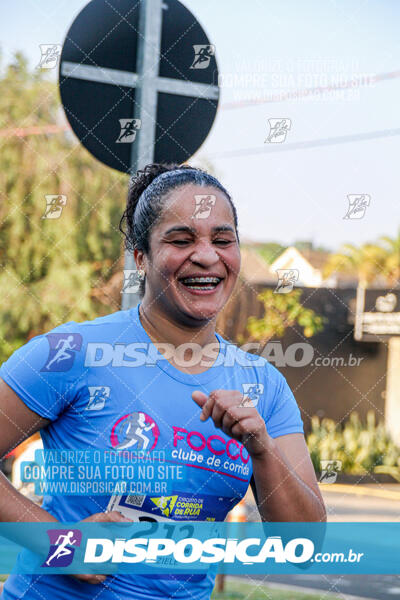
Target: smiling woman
{"x": 231, "y": 422}
{"x": 178, "y": 212}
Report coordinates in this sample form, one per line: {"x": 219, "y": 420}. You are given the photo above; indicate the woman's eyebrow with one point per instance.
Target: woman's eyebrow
{"x": 180, "y": 228}
{"x": 192, "y": 230}
{"x": 223, "y": 228}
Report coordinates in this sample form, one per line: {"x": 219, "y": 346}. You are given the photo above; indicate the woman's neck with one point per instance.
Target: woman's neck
{"x": 164, "y": 329}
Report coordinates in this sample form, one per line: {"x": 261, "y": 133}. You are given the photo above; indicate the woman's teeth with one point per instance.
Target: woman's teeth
{"x": 201, "y": 283}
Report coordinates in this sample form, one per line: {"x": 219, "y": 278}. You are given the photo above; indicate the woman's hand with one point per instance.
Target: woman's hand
{"x": 103, "y": 517}
{"x": 284, "y": 459}
{"x": 236, "y": 417}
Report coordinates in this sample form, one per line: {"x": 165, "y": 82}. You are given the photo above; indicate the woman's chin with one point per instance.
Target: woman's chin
{"x": 200, "y": 309}
{"x": 198, "y": 304}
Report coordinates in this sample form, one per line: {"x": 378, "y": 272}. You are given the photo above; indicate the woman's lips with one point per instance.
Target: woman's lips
{"x": 200, "y": 286}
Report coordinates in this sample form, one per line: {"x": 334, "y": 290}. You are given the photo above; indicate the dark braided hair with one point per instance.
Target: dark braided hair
{"x": 146, "y": 200}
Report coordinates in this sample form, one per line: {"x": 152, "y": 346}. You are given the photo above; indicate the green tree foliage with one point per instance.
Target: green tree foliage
{"x": 369, "y": 261}
{"x": 391, "y": 268}
{"x": 282, "y": 311}
{"x": 50, "y": 268}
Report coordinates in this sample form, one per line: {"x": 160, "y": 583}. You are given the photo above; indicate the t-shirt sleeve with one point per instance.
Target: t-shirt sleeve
{"x": 282, "y": 412}
{"x": 41, "y": 373}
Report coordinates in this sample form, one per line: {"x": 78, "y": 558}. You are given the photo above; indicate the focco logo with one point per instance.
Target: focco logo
{"x": 215, "y": 443}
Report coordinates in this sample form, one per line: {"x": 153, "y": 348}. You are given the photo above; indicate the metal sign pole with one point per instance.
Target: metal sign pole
{"x": 360, "y": 304}
{"x": 149, "y": 44}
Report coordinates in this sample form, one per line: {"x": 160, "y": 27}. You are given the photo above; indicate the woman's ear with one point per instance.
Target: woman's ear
{"x": 138, "y": 255}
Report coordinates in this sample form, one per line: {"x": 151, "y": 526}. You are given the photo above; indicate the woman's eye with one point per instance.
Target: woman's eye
{"x": 220, "y": 242}
{"x": 180, "y": 242}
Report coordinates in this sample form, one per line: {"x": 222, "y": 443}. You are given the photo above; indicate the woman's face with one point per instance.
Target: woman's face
{"x": 194, "y": 256}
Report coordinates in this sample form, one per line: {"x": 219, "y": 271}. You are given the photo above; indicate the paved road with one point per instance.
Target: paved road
{"x": 343, "y": 506}
{"x": 376, "y": 587}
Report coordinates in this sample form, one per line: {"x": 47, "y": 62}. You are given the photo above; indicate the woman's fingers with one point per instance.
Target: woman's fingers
{"x": 218, "y": 403}
{"x": 201, "y": 399}
{"x": 113, "y": 516}
{"x": 228, "y": 421}
{"x": 236, "y": 416}
{"x": 224, "y": 407}
{"x": 205, "y": 402}
{"x": 215, "y": 408}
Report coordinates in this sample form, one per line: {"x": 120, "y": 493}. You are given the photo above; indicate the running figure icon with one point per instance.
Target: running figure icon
{"x": 63, "y": 345}
{"x": 202, "y": 55}
{"x": 131, "y": 431}
{"x": 63, "y": 541}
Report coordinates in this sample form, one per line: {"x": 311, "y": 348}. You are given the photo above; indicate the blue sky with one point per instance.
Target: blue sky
{"x": 283, "y": 46}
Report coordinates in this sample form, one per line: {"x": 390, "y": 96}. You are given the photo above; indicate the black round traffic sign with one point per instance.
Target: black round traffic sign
{"x": 99, "y": 83}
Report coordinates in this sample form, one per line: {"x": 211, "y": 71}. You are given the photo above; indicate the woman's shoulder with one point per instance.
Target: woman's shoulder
{"x": 71, "y": 337}
{"x": 106, "y": 322}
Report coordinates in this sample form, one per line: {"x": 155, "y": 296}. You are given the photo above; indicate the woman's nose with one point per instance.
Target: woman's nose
{"x": 204, "y": 253}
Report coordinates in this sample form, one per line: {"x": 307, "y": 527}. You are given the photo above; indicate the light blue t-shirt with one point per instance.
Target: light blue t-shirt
{"x": 103, "y": 385}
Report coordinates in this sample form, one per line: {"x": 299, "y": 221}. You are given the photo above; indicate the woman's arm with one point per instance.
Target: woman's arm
{"x": 285, "y": 483}
{"x": 286, "y": 487}
{"x": 17, "y": 422}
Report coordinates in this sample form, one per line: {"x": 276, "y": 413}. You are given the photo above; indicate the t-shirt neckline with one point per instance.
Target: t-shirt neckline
{"x": 188, "y": 378}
